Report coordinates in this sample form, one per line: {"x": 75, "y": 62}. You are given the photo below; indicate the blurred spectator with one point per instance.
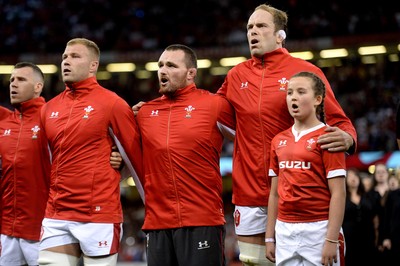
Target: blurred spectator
{"x": 360, "y": 221}
{"x": 367, "y": 181}
{"x": 398, "y": 123}
{"x": 381, "y": 189}
{"x": 394, "y": 181}
{"x": 391, "y": 237}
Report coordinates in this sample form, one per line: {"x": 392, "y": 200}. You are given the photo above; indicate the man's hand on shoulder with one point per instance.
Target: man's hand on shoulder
{"x": 136, "y": 107}
{"x": 335, "y": 140}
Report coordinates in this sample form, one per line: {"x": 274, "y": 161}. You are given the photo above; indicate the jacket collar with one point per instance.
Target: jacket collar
{"x": 270, "y": 58}
{"x": 83, "y": 86}
{"x": 29, "y": 107}
{"x": 180, "y": 93}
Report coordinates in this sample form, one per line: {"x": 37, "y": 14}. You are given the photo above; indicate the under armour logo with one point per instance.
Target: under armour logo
{"x": 102, "y": 243}
{"x": 282, "y": 142}
{"x": 244, "y": 85}
{"x": 203, "y": 245}
{"x": 54, "y": 115}
{"x": 7, "y": 132}
{"x": 154, "y": 113}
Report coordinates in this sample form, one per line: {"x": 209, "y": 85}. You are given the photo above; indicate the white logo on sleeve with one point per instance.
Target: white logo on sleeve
{"x": 7, "y": 132}
{"x": 54, "y": 115}
{"x": 282, "y": 142}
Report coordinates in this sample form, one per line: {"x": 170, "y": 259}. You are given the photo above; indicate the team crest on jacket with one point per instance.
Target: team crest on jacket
{"x": 283, "y": 81}
{"x": 310, "y": 144}
{"x": 87, "y": 111}
{"x": 189, "y": 111}
{"x": 35, "y": 131}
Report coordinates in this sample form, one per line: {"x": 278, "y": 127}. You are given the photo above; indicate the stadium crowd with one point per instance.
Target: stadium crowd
{"x": 42, "y": 26}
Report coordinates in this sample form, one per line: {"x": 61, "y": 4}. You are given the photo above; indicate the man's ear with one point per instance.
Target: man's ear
{"x": 38, "y": 88}
{"x": 93, "y": 66}
{"x": 281, "y": 36}
{"x": 192, "y": 73}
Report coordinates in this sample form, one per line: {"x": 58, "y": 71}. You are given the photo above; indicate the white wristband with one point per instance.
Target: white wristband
{"x": 269, "y": 240}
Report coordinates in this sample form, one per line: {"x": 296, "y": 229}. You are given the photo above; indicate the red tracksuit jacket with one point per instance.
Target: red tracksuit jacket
{"x": 84, "y": 187}
{"x": 257, "y": 90}
{"x": 181, "y": 151}
{"x": 25, "y": 171}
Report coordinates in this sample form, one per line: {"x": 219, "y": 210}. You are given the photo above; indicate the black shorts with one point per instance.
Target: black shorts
{"x": 188, "y": 246}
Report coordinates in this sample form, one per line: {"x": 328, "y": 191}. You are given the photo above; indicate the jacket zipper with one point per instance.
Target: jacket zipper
{"x": 59, "y": 154}
{"x": 15, "y": 172}
{"x": 260, "y": 117}
{"x": 172, "y": 168}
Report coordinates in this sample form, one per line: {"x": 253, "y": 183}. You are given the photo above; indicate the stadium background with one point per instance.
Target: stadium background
{"x": 366, "y": 85}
